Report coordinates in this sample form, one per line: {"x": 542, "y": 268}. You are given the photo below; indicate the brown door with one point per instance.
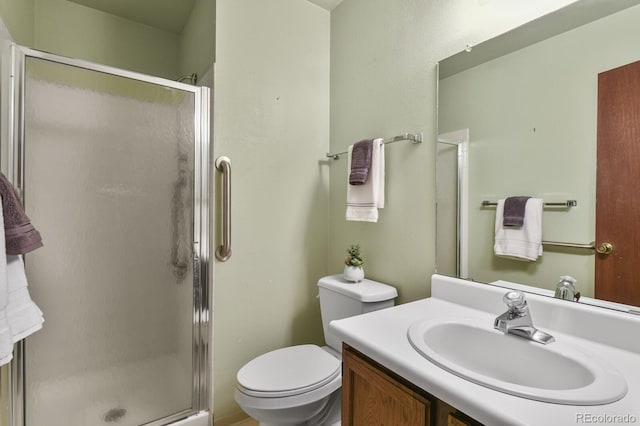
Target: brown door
{"x": 617, "y": 274}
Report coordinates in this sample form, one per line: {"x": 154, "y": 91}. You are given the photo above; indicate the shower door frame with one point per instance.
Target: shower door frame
{"x": 13, "y": 164}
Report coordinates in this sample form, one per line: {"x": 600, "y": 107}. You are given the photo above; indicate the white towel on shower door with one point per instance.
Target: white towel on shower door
{"x": 25, "y": 318}
{"x": 19, "y": 316}
{"x": 6, "y": 337}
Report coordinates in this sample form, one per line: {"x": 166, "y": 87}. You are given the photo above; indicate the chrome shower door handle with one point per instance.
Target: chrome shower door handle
{"x": 223, "y": 252}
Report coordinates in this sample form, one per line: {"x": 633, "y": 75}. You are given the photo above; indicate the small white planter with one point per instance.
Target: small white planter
{"x": 353, "y": 273}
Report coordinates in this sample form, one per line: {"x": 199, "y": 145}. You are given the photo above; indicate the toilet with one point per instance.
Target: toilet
{"x": 300, "y": 385}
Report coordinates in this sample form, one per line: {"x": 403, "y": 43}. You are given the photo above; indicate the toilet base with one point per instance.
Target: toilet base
{"x": 326, "y": 412}
{"x": 332, "y": 412}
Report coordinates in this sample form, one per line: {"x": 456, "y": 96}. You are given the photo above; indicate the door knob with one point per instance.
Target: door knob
{"x": 604, "y": 248}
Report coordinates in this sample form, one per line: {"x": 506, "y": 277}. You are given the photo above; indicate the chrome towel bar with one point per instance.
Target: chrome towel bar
{"x": 412, "y": 137}
{"x": 568, "y": 203}
{"x": 588, "y": 246}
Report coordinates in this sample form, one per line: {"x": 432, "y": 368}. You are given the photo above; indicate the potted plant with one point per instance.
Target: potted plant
{"x": 353, "y": 264}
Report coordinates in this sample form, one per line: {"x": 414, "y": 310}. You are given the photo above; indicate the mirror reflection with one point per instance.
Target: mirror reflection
{"x": 532, "y": 121}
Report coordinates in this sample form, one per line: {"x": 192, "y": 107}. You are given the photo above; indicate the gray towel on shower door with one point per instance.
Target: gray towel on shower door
{"x": 514, "y": 209}
{"x": 360, "y": 162}
{"x": 20, "y": 235}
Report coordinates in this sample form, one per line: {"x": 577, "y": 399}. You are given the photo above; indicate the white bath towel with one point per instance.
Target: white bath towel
{"x": 19, "y": 316}
{"x": 521, "y": 243}
{"x": 25, "y": 318}
{"x": 363, "y": 201}
{"x": 6, "y": 337}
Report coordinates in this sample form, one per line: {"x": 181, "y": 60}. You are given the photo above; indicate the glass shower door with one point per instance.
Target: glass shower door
{"x": 113, "y": 167}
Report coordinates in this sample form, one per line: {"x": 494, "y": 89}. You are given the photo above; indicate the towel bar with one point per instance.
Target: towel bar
{"x": 568, "y": 203}
{"x": 589, "y": 246}
{"x": 413, "y": 137}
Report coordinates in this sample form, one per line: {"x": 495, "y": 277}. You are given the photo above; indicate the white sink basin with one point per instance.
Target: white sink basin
{"x": 557, "y": 372}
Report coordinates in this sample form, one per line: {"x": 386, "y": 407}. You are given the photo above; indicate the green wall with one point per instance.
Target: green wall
{"x": 198, "y": 39}
{"x": 272, "y": 119}
{"x": 383, "y": 83}
{"x": 70, "y": 29}
{"x": 18, "y": 15}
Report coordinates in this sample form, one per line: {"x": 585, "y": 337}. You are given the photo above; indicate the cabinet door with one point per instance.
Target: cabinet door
{"x": 374, "y": 397}
{"x": 451, "y": 416}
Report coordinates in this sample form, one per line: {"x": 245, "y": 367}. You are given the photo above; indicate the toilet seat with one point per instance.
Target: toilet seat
{"x": 288, "y": 371}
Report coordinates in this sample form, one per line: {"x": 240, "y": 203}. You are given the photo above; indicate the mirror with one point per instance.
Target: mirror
{"x": 517, "y": 115}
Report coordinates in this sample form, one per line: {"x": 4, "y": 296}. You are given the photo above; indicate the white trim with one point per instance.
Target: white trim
{"x": 200, "y": 419}
{"x": 80, "y": 63}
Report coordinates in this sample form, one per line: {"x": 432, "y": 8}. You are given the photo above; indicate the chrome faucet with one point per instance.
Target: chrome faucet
{"x": 517, "y": 320}
{"x": 566, "y": 289}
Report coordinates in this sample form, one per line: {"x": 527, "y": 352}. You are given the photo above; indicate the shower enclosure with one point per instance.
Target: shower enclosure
{"x": 113, "y": 170}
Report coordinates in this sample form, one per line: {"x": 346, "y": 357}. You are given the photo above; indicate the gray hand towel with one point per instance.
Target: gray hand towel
{"x": 514, "y": 208}
{"x": 360, "y": 162}
{"x": 20, "y": 235}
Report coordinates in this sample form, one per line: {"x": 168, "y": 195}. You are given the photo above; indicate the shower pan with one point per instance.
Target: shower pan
{"x": 113, "y": 169}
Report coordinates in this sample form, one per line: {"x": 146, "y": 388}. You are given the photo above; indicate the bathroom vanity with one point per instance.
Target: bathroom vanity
{"x": 373, "y": 394}
{"x": 589, "y": 374}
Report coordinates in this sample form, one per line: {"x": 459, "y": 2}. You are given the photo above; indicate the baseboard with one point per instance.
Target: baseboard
{"x": 230, "y": 420}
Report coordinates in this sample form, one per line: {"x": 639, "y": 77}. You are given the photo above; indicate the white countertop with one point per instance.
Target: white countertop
{"x": 382, "y": 335}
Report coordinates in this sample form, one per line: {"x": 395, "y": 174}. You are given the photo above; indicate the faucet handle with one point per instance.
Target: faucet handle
{"x": 515, "y": 301}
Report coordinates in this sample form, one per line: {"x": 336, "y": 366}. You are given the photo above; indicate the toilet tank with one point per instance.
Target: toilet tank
{"x": 341, "y": 299}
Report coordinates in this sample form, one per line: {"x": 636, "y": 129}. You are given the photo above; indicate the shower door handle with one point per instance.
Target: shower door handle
{"x": 223, "y": 252}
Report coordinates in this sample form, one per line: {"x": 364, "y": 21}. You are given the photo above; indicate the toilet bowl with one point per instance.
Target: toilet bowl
{"x": 289, "y": 386}
{"x": 300, "y": 385}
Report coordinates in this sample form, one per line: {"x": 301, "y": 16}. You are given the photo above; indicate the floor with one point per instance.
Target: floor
{"x": 247, "y": 422}
{"x": 94, "y": 397}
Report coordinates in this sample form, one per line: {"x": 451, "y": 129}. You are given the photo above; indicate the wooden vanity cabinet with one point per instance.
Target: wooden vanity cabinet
{"x": 450, "y": 416}
{"x": 373, "y": 395}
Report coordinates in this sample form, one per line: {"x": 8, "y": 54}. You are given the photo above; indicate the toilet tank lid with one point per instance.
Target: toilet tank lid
{"x": 364, "y": 291}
